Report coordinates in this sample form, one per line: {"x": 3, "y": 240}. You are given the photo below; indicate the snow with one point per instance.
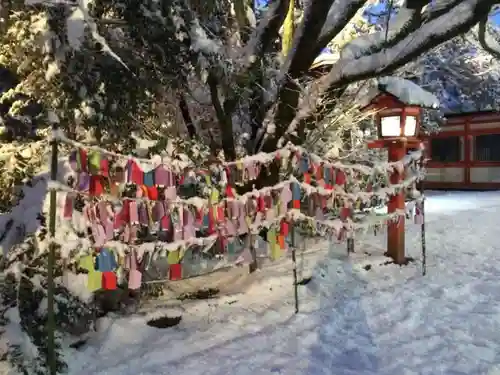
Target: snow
{"x": 23, "y": 216}
{"x": 365, "y": 44}
{"x": 353, "y": 319}
{"x": 404, "y": 90}
{"x": 408, "y": 92}
{"x": 433, "y": 32}
{"x": 201, "y": 42}
{"x": 488, "y": 40}
{"x": 76, "y": 28}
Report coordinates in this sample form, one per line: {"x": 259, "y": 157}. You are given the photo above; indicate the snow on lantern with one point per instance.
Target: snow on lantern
{"x": 398, "y": 104}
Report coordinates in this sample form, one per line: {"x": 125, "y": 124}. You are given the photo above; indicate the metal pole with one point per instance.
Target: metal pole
{"x": 252, "y": 267}
{"x": 294, "y": 260}
{"x": 422, "y": 226}
{"x": 350, "y": 246}
{"x": 422, "y": 237}
{"x": 51, "y": 324}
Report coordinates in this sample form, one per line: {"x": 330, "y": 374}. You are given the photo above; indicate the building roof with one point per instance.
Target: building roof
{"x": 470, "y": 113}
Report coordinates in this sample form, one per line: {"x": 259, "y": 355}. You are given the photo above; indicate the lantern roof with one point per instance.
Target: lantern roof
{"x": 403, "y": 90}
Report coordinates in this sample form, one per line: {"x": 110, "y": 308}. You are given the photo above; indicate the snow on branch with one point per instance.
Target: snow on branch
{"x": 460, "y": 18}
{"x": 406, "y": 21}
{"x": 438, "y": 8}
{"x": 347, "y": 70}
{"x": 487, "y": 39}
{"x": 77, "y": 22}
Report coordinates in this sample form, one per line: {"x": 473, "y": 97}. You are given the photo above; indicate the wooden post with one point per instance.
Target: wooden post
{"x": 51, "y": 323}
{"x": 396, "y": 229}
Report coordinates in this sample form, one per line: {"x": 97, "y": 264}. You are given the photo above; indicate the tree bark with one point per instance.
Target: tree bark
{"x": 186, "y": 116}
{"x": 224, "y": 119}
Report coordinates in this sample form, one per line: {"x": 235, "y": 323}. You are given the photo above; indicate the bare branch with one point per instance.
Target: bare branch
{"x": 257, "y": 46}
{"x": 349, "y": 70}
{"x": 487, "y": 40}
{"x": 111, "y": 22}
{"x": 405, "y": 22}
{"x": 458, "y": 20}
{"x": 299, "y": 60}
{"x": 438, "y": 8}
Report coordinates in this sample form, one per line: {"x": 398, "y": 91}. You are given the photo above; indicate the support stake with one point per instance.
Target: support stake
{"x": 294, "y": 260}
{"x": 350, "y": 245}
{"x": 422, "y": 226}
{"x": 51, "y": 323}
{"x": 252, "y": 267}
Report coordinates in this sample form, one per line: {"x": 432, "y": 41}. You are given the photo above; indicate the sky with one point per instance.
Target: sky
{"x": 496, "y": 18}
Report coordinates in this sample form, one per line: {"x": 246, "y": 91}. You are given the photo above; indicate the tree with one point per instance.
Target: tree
{"x": 100, "y": 51}
{"x": 106, "y": 71}
{"x": 461, "y": 72}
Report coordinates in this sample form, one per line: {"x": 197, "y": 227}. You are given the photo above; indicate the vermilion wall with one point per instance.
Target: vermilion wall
{"x": 469, "y": 173}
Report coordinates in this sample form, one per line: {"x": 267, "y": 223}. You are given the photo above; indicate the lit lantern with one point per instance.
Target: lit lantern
{"x": 399, "y": 104}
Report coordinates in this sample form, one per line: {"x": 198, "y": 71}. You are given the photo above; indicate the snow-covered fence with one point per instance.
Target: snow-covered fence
{"x": 138, "y": 211}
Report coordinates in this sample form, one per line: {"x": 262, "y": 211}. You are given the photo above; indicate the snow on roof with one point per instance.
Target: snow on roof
{"x": 404, "y": 90}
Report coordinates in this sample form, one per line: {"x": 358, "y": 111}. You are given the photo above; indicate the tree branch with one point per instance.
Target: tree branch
{"x": 406, "y": 21}
{"x": 224, "y": 119}
{"x": 338, "y": 17}
{"x": 265, "y": 34}
{"x": 488, "y": 41}
{"x": 341, "y": 12}
{"x": 187, "y": 116}
{"x": 259, "y": 43}
{"x": 305, "y": 45}
{"x": 438, "y": 8}
{"x": 331, "y": 99}
{"x": 297, "y": 63}
{"x": 257, "y": 107}
{"x": 348, "y": 70}
{"x": 457, "y": 21}
{"x": 241, "y": 8}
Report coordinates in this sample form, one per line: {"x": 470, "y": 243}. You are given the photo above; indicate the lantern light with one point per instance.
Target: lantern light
{"x": 410, "y": 129}
{"x": 390, "y": 126}
{"x": 393, "y": 126}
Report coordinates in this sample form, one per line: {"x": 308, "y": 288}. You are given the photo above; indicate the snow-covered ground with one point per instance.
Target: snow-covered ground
{"x": 353, "y": 319}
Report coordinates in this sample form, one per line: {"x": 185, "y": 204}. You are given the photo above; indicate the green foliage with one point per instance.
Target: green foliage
{"x": 23, "y": 296}
{"x": 18, "y": 167}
